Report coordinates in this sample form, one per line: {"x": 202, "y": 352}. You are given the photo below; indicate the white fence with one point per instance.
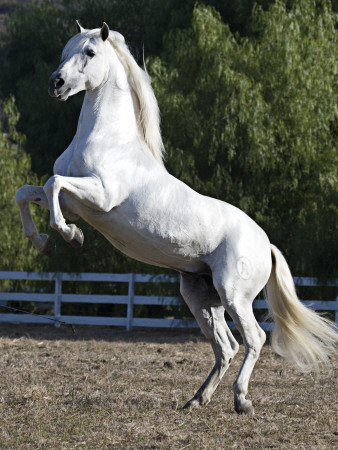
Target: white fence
{"x": 57, "y": 298}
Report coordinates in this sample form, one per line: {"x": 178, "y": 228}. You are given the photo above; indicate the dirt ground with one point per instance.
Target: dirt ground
{"x": 104, "y": 388}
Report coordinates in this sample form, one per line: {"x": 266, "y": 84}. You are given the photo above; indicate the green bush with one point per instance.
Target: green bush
{"x": 16, "y": 253}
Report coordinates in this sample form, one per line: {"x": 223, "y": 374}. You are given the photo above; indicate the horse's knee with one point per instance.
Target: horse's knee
{"x": 21, "y": 195}
{"x": 52, "y": 184}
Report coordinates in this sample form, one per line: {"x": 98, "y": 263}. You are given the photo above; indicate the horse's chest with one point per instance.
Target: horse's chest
{"x": 84, "y": 163}
{"x": 73, "y": 164}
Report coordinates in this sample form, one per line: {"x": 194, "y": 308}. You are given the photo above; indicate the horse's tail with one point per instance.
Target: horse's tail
{"x": 301, "y": 336}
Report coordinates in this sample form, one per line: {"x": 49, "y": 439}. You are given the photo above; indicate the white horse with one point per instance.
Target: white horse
{"x": 112, "y": 175}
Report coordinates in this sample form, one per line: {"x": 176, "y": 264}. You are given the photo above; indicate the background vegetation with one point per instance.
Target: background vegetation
{"x": 248, "y": 95}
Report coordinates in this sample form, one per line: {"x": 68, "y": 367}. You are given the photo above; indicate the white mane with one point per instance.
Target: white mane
{"x": 139, "y": 80}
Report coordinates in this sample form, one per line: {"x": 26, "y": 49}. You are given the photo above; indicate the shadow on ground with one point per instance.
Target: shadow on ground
{"x": 109, "y": 334}
{"x": 102, "y": 333}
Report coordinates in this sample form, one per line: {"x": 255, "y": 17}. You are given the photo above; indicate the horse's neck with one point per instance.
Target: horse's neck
{"x": 107, "y": 113}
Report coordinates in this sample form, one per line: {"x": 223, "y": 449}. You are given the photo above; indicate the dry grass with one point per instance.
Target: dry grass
{"x": 104, "y": 389}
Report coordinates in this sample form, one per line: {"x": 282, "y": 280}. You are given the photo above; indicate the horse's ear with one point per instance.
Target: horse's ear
{"x": 79, "y": 28}
{"x": 104, "y": 31}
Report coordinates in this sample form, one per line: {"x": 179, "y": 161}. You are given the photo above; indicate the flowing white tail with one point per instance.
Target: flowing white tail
{"x": 301, "y": 336}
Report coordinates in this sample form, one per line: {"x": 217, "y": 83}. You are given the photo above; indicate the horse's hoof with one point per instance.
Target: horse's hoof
{"x": 245, "y": 408}
{"x": 49, "y": 247}
{"x": 78, "y": 238}
{"x": 191, "y": 404}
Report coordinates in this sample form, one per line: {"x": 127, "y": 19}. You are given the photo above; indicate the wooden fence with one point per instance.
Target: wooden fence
{"x": 58, "y": 298}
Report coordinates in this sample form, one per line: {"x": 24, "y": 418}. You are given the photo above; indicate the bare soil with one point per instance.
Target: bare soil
{"x": 104, "y": 388}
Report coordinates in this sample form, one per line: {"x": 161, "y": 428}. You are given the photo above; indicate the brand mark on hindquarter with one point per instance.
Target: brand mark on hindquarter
{"x": 244, "y": 268}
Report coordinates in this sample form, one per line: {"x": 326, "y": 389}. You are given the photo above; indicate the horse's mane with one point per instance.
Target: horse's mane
{"x": 139, "y": 80}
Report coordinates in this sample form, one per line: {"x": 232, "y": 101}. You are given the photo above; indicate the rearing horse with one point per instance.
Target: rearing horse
{"x": 112, "y": 175}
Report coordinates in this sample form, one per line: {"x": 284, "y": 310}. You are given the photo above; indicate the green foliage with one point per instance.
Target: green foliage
{"x": 253, "y": 121}
{"x": 16, "y": 253}
{"x": 31, "y": 49}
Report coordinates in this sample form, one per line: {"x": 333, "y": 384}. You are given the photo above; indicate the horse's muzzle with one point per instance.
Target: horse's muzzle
{"x": 56, "y": 83}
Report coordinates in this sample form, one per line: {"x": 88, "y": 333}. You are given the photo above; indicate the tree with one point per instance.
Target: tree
{"x": 16, "y": 253}
{"x": 253, "y": 121}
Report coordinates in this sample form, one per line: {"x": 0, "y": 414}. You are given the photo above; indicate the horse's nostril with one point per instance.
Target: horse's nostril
{"x": 59, "y": 82}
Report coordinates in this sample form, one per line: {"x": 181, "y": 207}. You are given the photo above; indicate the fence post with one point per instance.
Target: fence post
{"x": 57, "y": 301}
{"x": 130, "y": 306}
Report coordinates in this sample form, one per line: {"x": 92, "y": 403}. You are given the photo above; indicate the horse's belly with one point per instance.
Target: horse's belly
{"x": 159, "y": 257}
{"x": 170, "y": 248}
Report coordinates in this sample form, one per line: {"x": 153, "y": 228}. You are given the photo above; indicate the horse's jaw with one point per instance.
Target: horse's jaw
{"x": 63, "y": 96}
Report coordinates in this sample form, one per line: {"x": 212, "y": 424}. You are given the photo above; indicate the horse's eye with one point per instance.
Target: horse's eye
{"x": 90, "y": 53}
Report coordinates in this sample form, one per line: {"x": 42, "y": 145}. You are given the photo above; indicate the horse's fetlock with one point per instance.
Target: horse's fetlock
{"x": 239, "y": 390}
{"x": 57, "y": 224}
{"x": 29, "y": 234}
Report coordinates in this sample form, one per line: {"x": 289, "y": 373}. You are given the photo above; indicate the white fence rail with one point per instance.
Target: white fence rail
{"x": 57, "y": 297}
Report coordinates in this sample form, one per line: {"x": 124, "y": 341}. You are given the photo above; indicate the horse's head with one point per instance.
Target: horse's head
{"x": 85, "y": 63}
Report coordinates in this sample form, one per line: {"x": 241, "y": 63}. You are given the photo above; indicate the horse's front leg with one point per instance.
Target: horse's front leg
{"x": 35, "y": 194}
{"x": 86, "y": 190}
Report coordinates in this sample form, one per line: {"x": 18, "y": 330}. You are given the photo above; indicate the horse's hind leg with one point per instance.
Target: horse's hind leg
{"x": 240, "y": 309}
{"x": 254, "y": 338}
{"x": 205, "y": 305}
{"x": 24, "y": 196}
